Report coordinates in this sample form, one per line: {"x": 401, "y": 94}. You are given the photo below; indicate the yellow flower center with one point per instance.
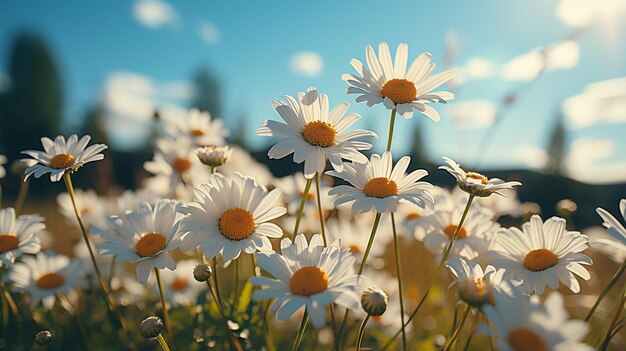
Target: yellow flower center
{"x": 380, "y": 187}
{"x": 150, "y": 244}
{"x": 237, "y": 224}
{"x": 181, "y": 165}
{"x": 180, "y": 284}
{"x": 522, "y": 339}
{"x": 61, "y": 161}
{"x": 540, "y": 260}
{"x": 399, "y": 91}
{"x": 319, "y": 133}
{"x": 477, "y": 176}
{"x": 452, "y": 228}
{"x": 413, "y": 215}
{"x": 308, "y": 281}
{"x": 196, "y": 132}
{"x": 355, "y": 249}
{"x": 50, "y": 281}
{"x": 8, "y": 242}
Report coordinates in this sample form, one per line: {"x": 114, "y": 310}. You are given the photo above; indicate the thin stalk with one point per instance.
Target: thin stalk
{"x": 606, "y": 290}
{"x": 305, "y": 195}
{"x": 235, "y": 281}
{"x": 166, "y": 317}
{"x": 21, "y": 196}
{"x": 300, "y": 335}
{"x": 162, "y": 342}
{"x": 112, "y": 270}
{"x": 396, "y": 248}
{"x": 391, "y": 124}
{"x": 70, "y": 189}
{"x": 234, "y": 343}
{"x": 359, "y": 338}
{"x": 609, "y": 332}
{"x": 472, "y": 331}
{"x": 216, "y": 281}
{"x": 457, "y": 332}
{"x": 361, "y": 267}
{"x": 435, "y": 276}
{"x": 319, "y": 207}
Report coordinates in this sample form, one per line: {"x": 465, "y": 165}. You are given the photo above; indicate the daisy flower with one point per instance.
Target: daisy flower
{"x": 352, "y": 234}
{"x": 43, "y": 276}
{"x": 180, "y": 286}
{"x": 3, "y": 160}
{"x": 145, "y": 235}
{"x": 60, "y": 156}
{"x": 18, "y": 235}
{"x": 214, "y": 156}
{"x": 473, "y": 238}
{"x": 307, "y": 275}
{"x": 475, "y": 285}
{"x": 312, "y": 133}
{"x": 292, "y": 187}
{"x": 198, "y": 126}
{"x": 613, "y": 227}
{"x": 606, "y": 244}
{"x": 522, "y": 324}
{"x": 475, "y": 183}
{"x": 91, "y": 207}
{"x": 229, "y": 216}
{"x": 542, "y": 254}
{"x": 380, "y": 185}
{"x": 395, "y": 86}
{"x": 241, "y": 161}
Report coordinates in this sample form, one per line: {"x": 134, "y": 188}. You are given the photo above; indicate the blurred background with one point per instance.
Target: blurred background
{"x": 540, "y": 95}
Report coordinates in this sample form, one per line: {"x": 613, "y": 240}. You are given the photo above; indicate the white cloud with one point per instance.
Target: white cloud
{"x": 600, "y": 102}
{"x": 5, "y": 82}
{"x": 154, "y": 13}
{"x": 306, "y": 63}
{"x": 130, "y": 100}
{"x": 209, "y": 33}
{"x": 473, "y": 114}
{"x": 526, "y": 67}
{"x": 581, "y": 13}
{"x": 588, "y": 161}
{"x": 531, "y": 156}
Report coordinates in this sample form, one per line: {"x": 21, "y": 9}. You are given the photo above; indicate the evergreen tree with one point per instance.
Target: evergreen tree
{"x": 556, "y": 148}
{"x": 207, "y": 96}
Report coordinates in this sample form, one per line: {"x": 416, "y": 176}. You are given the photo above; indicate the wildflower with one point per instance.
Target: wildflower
{"x": 202, "y": 272}
{"x": 174, "y": 160}
{"x": 91, "y": 207}
{"x": 180, "y": 286}
{"x": 475, "y": 285}
{"x": 3, "y": 160}
{"x": 214, "y": 156}
{"x": 613, "y": 227}
{"x": 291, "y": 186}
{"x": 44, "y": 337}
{"x": 18, "y": 236}
{"x": 475, "y": 183}
{"x": 374, "y": 301}
{"x": 151, "y": 327}
{"x": 199, "y": 127}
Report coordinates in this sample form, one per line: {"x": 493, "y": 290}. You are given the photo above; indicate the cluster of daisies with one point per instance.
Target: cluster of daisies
{"x": 319, "y": 238}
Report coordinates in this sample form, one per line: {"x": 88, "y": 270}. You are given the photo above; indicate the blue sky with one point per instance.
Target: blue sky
{"x": 249, "y": 46}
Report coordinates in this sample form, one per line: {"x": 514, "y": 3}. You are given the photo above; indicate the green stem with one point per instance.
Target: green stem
{"x": 435, "y": 276}
{"x": 70, "y": 189}
{"x": 166, "y": 317}
{"x": 396, "y": 247}
{"x": 234, "y": 343}
{"x": 359, "y": 338}
{"x": 216, "y": 281}
{"x": 606, "y": 290}
{"x": 305, "y": 195}
{"x": 300, "y": 335}
{"x": 361, "y": 267}
{"x": 21, "y": 196}
{"x": 391, "y": 124}
{"x": 319, "y": 207}
{"x": 618, "y": 312}
{"x": 162, "y": 342}
{"x": 457, "y": 331}
{"x": 235, "y": 280}
{"x": 472, "y": 331}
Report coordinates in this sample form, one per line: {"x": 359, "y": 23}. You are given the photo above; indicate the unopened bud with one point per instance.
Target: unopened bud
{"x": 202, "y": 272}
{"x": 374, "y": 301}
{"x": 44, "y": 337}
{"x": 151, "y": 327}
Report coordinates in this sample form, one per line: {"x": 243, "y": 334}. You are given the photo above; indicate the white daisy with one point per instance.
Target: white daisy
{"x": 214, "y": 156}
{"x": 230, "y": 216}
{"x": 43, "y": 276}
{"x": 542, "y": 254}
{"x": 198, "y": 126}
{"x": 475, "y": 286}
{"x": 241, "y": 161}
{"x": 475, "y": 183}
{"x": 146, "y": 236}
{"x": 312, "y": 133}
{"x": 179, "y": 285}
{"x": 60, "y": 156}
{"x": 390, "y": 82}
{"x": 127, "y": 290}
{"x": 473, "y": 238}
{"x": 613, "y": 227}
{"x": 524, "y": 325}
{"x": 378, "y": 184}
{"x": 18, "y": 236}
{"x": 91, "y": 207}
{"x": 292, "y": 187}
{"x": 606, "y": 244}
{"x": 3, "y": 160}
{"x": 307, "y": 275}
{"x": 354, "y": 234}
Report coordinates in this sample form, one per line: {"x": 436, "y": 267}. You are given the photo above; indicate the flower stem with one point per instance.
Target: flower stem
{"x": 216, "y": 281}
{"x": 472, "y": 331}
{"x": 300, "y": 335}
{"x": 21, "y": 196}
{"x": 606, "y": 290}
{"x": 70, "y": 189}
{"x": 234, "y": 343}
{"x": 166, "y": 317}
{"x": 399, "y": 275}
{"x": 235, "y": 280}
{"x": 319, "y": 207}
{"x": 305, "y": 195}
{"x": 162, "y": 342}
{"x": 457, "y": 331}
{"x": 435, "y": 276}
{"x": 391, "y": 124}
{"x": 618, "y": 312}
{"x": 359, "y": 338}
{"x": 361, "y": 267}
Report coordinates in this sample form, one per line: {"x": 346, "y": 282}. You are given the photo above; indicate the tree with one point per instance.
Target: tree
{"x": 418, "y": 150}
{"x": 32, "y": 107}
{"x": 207, "y": 94}
{"x": 556, "y": 148}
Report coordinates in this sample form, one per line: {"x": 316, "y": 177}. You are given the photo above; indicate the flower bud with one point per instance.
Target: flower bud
{"x": 374, "y": 301}
{"x": 202, "y": 272}
{"x": 214, "y": 156}
{"x": 151, "y": 327}
{"x": 44, "y": 337}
